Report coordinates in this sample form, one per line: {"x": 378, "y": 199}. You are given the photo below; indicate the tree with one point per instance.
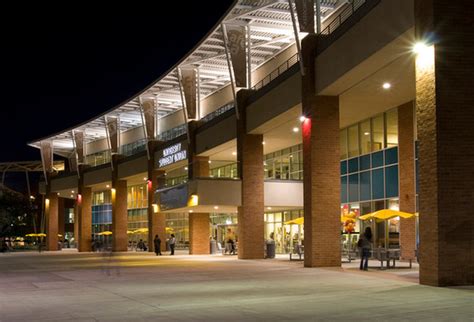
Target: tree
{"x": 16, "y": 213}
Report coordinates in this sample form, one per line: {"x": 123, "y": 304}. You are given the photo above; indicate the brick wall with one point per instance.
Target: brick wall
{"x": 406, "y": 168}
{"x": 445, "y": 114}
{"x": 322, "y": 227}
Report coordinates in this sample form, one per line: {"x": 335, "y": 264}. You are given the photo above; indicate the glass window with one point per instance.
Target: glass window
{"x": 364, "y": 134}
{"x": 353, "y": 165}
{"x": 391, "y": 181}
{"x": 377, "y": 159}
{"x": 378, "y": 133}
{"x": 391, "y": 156}
{"x": 364, "y": 162}
{"x": 392, "y": 128}
{"x": 377, "y": 184}
{"x": 353, "y": 138}
{"x": 365, "y": 185}
{"x": 353, "y": 187}
{"x": 343, "y": 144}
{"x": 344, "y": 189}
{"x": 343, "y": 167}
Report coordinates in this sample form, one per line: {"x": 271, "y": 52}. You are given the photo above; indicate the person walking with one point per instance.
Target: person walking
{"x": 365, "y": 244}
{"x": 157, "y": 243}
{"x": 172, "y": 243}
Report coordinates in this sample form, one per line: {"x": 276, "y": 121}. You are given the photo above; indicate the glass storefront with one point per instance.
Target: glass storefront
{"x": 101, "y": 215}
{"x": 178, "y": 224}
{"x": 285, "y": 234}
{"x": 137, "y": 205}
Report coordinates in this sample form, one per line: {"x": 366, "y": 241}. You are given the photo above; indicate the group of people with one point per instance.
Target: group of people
{"x": 157, "y": 244}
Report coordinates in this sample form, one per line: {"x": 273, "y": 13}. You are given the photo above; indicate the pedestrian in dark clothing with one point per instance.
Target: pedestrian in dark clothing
{"x": 172, "y": 243}
{"x": 365, "y": 244}
{"x": 157, "y": 243}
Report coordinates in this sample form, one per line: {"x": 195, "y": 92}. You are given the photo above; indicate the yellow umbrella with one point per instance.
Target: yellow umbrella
{"x": 141, "y": 231}
{"x": 105, "y": 233}
{"x": 386, "y": 214}
{"x": 130, "y": 232}
{"x": 41, "y": 235}
{"x": 297, "y": 221}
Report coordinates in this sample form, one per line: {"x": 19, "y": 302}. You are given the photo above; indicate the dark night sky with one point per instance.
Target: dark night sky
{"x": 61, "y": 66}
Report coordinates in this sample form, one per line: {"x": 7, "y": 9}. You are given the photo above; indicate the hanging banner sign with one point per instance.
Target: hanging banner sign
{"x": 236, "y": 35}
{"x": 149, "y": 115}
{"x": 305, "y": 13}
{"x": 189, "y": 83}
{"x": 112, "y": 127}
{"x": 79, "y": 143}
{"x": 172, "y": 154}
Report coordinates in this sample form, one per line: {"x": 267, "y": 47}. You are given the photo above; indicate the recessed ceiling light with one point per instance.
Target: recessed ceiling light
{"x": 191, "y": 210}
{"x": 72, "y": 191}
{"x": 145, "y": 179}
{"x": 107, "y": 186}
{"x": 72, "y": 196}
{"x": 234, "y": 153}
{"x": 302, "y": 118}
{"x": 185, "y": 168}
{"x": 209, "y": 161}
{"x": 386, "y": 85}
{"x": 216, "y": 207}
{"x": 296, "y": 130}
{"x": 366, "y": 133}
{"x": 263, "y": 142}
{"x": 269, "y": 208}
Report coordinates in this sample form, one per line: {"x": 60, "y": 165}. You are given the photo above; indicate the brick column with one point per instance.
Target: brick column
{"x": 119, "y": 210}
{"x": 84, "y": 216}
{"x": 76, "y": 224}
{"x": 51, "y": 212}
{"x": 61, "y": 217}
{"x": 445, "y": 114}
{"x": 406, "y": 168}
{"x": 199, "y": 243}
{"x": 322, "y": 228}
{"x": 251, "y": 171}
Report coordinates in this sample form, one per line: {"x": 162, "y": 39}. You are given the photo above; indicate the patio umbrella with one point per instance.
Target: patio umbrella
{"x": 140, "y": 231}
{"x": 105, "y": 233}
{"x": 386, "y": 214}
{"x": 297, "y": 221}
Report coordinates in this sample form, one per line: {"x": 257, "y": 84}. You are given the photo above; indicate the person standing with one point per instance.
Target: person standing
{"x": 172, "y": 243}
{"x": 365, "y": 244}
{"x": 157, "y": 243}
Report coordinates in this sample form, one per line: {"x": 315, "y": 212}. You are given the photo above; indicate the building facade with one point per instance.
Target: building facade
{"x": 278, "y": 135}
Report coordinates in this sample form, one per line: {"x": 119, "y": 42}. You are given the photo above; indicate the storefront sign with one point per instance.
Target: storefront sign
{"x": 172, "y": 154}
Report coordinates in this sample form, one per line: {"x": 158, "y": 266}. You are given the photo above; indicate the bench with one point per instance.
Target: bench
{"x": 388, "y": 255}
{"x": 297, "y": 250}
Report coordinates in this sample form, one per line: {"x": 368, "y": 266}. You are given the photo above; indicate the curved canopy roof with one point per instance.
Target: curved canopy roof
{"x": 271, "y": 32}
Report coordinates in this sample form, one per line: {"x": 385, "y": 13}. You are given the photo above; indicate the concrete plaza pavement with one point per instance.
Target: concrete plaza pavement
{"x": 66, "y": 285}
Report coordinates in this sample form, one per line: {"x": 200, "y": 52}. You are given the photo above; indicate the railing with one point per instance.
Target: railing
{"x": 329, "y": 29}
{"x": 173, "y": 133}
{"x": 216, "y": 113}
{"x": 341, "y": 17}
{"x": 277, "y": 72}
{"x": 134, "y": 147}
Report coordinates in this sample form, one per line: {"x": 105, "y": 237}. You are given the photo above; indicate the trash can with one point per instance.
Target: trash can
{"x": 270, "y": 249}
{"x": 213, "y": 246}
